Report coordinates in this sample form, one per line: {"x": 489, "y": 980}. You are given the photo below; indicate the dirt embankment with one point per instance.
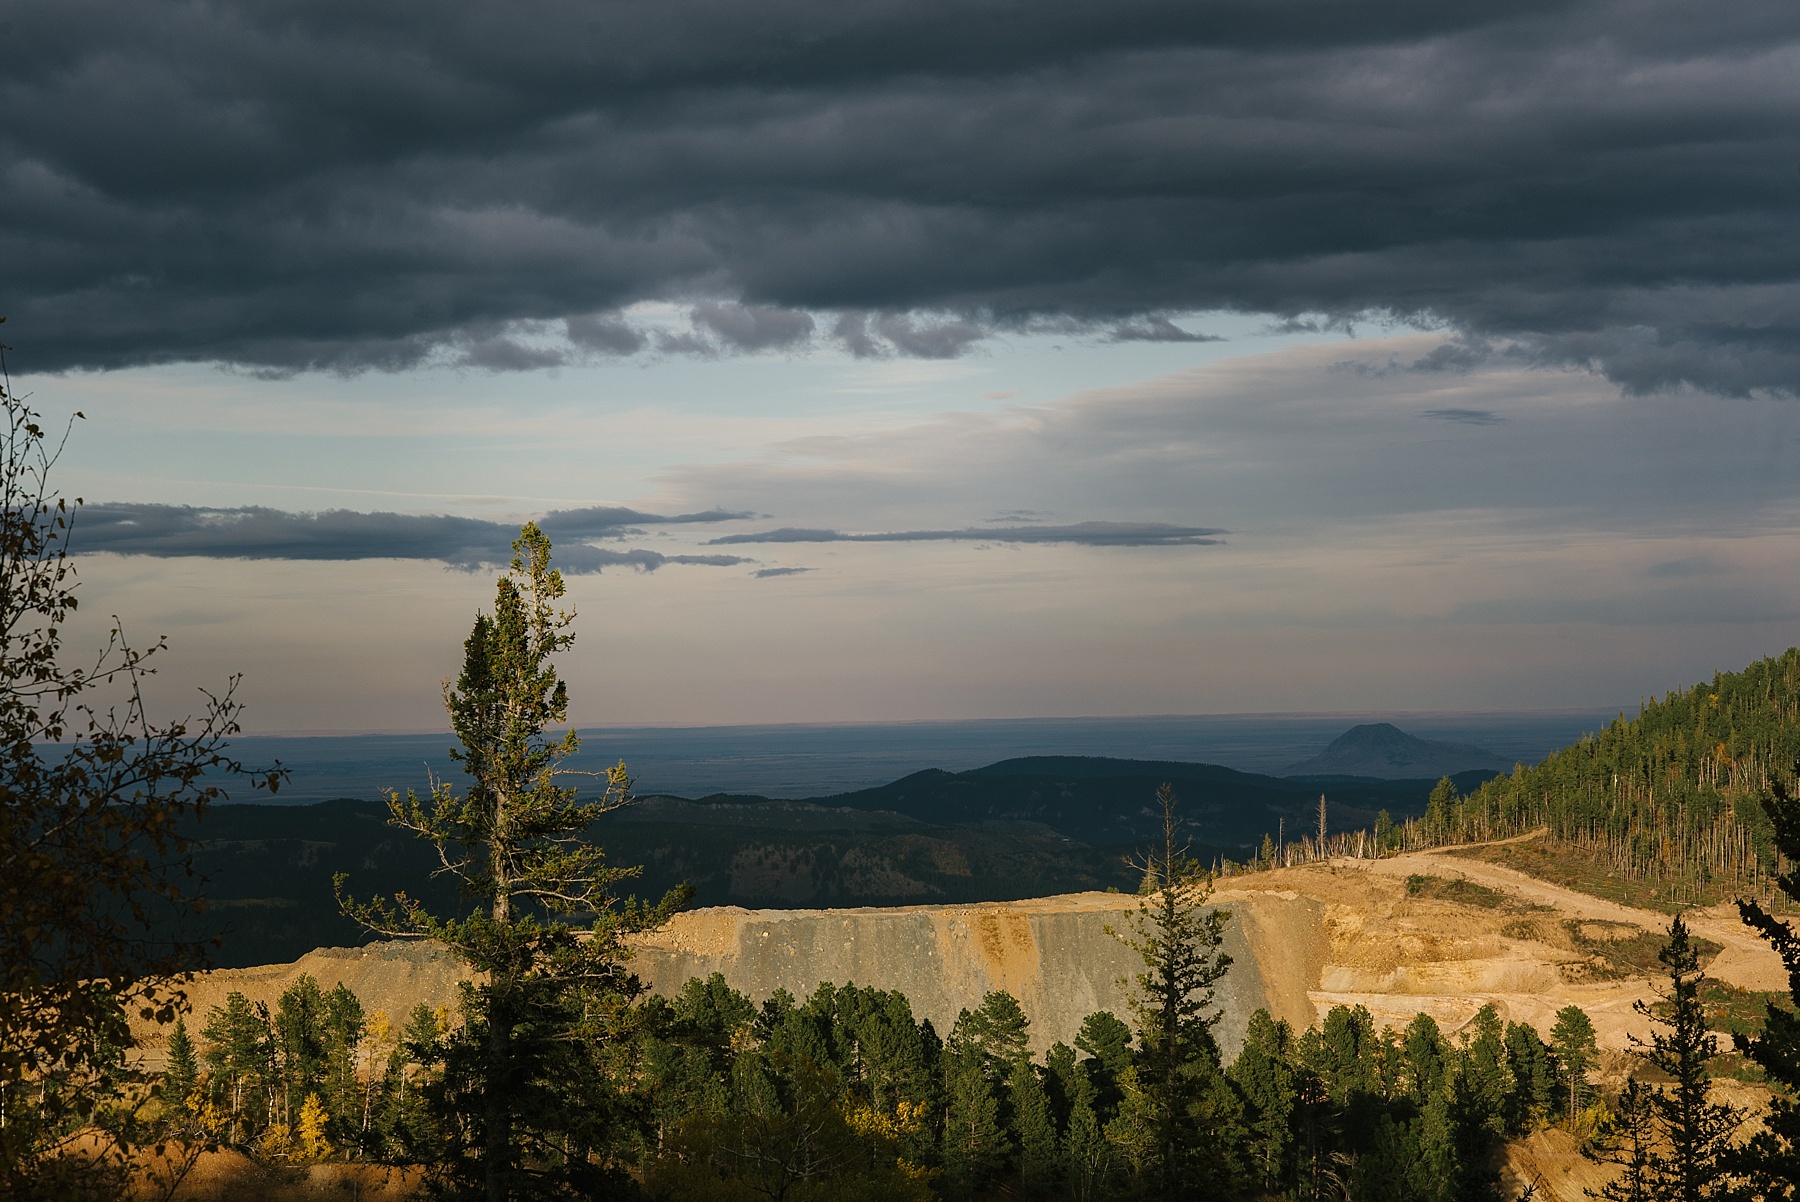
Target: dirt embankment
{"x": 392, "y": 976}
{"x": 1425, "y": 932}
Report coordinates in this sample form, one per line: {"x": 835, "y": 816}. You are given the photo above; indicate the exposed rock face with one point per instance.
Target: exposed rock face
{"x": 1054, "y": 954}
{"x": 1429, "y": 932}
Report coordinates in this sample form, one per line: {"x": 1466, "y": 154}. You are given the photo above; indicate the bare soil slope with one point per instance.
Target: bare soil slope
{"x": 1429, "y": 931}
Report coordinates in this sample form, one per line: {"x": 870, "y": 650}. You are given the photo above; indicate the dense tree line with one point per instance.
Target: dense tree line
{"x": 847, "y": 1093}
{"x": 1338, "y": 1110}
{"x": 313, "y": 1078}
{"x": 1674, "y": 793}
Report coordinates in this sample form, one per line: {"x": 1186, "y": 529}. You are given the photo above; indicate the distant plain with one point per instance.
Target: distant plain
{"x": 799, "y": 761}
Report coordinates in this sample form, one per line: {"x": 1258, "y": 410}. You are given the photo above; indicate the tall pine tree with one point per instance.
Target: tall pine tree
{"x": 1182, "y": 1113}
{"x": 523, "y": 1100}
{"x": 1629, "y": 1140}
{"x": 1264, "y": 1075}
{"x": 1695, "y": 1130}
{"x": 976, "y": 1144}
{"x": 1770, "y": 1159}
{"x": 239, "y": 1053}
{"x": 1576, "y": 1047}
{"x": 1035, "y": 1129}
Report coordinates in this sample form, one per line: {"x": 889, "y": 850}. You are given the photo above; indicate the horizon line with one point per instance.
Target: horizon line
{"x": 849, "y": 724}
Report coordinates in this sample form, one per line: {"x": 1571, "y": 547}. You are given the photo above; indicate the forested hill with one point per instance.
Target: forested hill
{"x": 1021, "y": 828}
{"x": 1674, "y": 793}
{"x": 1108, "y": 801}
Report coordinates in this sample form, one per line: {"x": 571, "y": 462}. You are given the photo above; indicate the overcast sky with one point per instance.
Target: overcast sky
{"x": 904, "y": 360}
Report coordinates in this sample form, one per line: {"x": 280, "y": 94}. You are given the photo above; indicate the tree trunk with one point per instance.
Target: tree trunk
{"x": 497, "y": 1154}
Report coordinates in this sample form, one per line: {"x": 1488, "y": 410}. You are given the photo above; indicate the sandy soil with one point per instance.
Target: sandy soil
{"x": 233, "y": 1177}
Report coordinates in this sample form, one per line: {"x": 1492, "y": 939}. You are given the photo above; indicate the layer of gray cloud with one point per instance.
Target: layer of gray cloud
{"x": 1089, "y": 534}
{"x": 254, "y": 532}
{"x": 1603, "y": 184}
{"x": 1288, "y": 445}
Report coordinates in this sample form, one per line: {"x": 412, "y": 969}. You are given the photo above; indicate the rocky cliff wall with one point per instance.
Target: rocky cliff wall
{"x": 1054, "y": 954}
{"x": 1384, "y": 934}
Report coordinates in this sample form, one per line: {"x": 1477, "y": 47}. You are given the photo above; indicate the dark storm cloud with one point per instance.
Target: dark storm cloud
{"x": 1091, "y": 534}
{"x": 1607, "y": 184}
{"x": 1156, "y": 328}
{"x": 754, "y": 327}
{"x": 253, "y": 532}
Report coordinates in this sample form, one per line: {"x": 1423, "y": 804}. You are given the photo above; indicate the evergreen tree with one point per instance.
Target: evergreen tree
{"x": 997, "y": 1030}
{"x": 1390, "y": 1064}
{"x": 1060, "y": 1067}
{"x": 1486, "y": 1081}
{"x": 1034, "y": 1128}
{"x": 1318, "y": 1126}
{"x": 1533, "y": 1098}
{"x": 1107, "y": 1041}
{"x": 1393, "y": 1168}
{"x": 1770, "y": 1159}
{"x": 689, "y": 1044}
{"x": 1576, "y": 1050}
{"x": 1696, "y": 1129}
{"x": 1180, "y": 1092}
{"x": 1475, "y": 1128}
{"x": 976, "y": 1146}
{"x": 182, "y": 1072}
{"x": 1347, "y": 1055}
{"x": 239, "y": 1046}
{"x": 408, "y": 1127}
{"x": 341, "y": 1028}
{"x": 1440, "y": 807}
{"x": 524, "y": 1100}
{"x": 1426, "y": 1059}
{"x": 1087, "y": 1157}
{"x": 300, "y": 1032}
{"x": 1628, "y": 1140}
{"x": 1440, "y": 1144}
{"x": 1265, "y": 1077}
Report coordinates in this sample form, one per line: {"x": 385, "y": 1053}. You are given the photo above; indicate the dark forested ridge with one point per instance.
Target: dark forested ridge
{"x": 1108, "y": 801}
{"x": 1020, "y": 828}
